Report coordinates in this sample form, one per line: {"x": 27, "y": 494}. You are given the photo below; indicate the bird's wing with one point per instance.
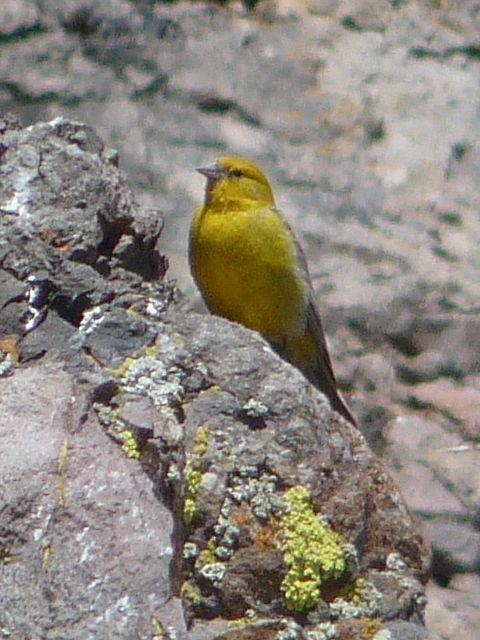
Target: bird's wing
{"x": 321, "y": 373}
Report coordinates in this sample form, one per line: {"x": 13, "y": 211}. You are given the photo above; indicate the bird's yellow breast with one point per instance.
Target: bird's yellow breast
{"x": 246, "y": 266}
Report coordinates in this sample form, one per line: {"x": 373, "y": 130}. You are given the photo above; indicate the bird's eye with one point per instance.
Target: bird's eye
{"x": 236, "y": 173}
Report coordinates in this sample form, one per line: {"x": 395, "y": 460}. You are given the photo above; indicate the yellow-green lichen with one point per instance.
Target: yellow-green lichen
{"x": 151, "y": 350}
{"x": 122, "y": 370}
{"x": 5, "y": 557}
{"x": 47, "y": 556}
{"x": 201, "y": 442}
{"x": 239, "y": 623}
{"x": 129, "y": 445}
{"x": 158, "y": 630}
{"x": 193, "y": 479}
{"x": 354, "y": 591}
{"x": 116, "y": 428}
{"x": 193, "y": 475}
{"x": 191, "y": 592}
{"x": 62, "y": 461}
{"x": 311, "y": 551}
{"x": 370, "y": 628}
{"x": 62, "y": 456}
{"x": 207, "y": 555}
{"x": 189, "y": 510}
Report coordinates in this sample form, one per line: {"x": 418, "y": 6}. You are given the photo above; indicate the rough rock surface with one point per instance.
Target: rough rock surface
{"x": 78, "y": 519}
{"x": 364, "y": 114}
{"x": 151, "y": 456}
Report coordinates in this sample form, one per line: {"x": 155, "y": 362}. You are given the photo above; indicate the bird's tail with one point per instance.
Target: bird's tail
{"x": 309, "y": 353}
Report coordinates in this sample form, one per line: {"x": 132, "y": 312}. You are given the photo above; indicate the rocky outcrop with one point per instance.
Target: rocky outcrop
{"x": 165, "y": 473}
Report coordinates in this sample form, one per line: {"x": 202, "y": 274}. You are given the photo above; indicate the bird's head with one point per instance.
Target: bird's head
{"x": 233, "y": 182}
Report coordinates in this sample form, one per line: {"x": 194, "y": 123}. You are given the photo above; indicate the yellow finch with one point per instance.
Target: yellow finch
{"x": 250, "y": 269}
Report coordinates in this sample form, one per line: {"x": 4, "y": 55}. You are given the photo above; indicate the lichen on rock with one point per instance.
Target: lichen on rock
{"x": 312, "y": 552}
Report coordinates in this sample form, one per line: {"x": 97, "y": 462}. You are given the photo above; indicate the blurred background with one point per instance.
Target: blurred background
{"x": 365, "y": 115}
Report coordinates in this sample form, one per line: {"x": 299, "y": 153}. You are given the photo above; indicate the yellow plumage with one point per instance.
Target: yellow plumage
{"x": 250, "y": 269}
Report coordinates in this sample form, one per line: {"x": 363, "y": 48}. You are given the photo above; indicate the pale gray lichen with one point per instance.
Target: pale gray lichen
{"x": 383, "y": 634}
{"x": 226, "y": 533}
{"x": 7, "y": 364}
{"x": 190, "y": 551}
{"x": 155, "y": 308}
{"x": 249, "y": 471}
{"x": 323, "y": 631}
{"x": 255, "y": 409}
{"x": 351, "y": 559}
{"x": 250, "y": 487}
{"x": 412, "y": 585}
{"x": 108, "y": 418}
{"x": 395, "y": 562}
{"x": 214, "y": 572}
{"x": 174, "y": 474}
{"x": 92, "y": 319}
{"x": 290, "y": 630}
{"x": 224, "y": 553}
{"x": 229, "y": 536}
{"x": 149, "y": 376}
{"x": 364, "y": 603}
{"x": 259, "y": 492}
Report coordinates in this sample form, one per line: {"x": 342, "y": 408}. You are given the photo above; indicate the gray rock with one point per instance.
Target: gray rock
{"x": 456, "y": 546}
{"x": 456, "y": 608}
{"x": 79, "y": 519}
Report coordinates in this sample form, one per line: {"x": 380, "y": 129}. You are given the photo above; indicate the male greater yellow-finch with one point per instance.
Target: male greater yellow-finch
{"x": 250, "y": 269}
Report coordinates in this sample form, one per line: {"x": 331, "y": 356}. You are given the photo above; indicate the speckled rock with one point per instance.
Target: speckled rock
{"x": 71, "y": 235}
{"x": 79, "y": 519}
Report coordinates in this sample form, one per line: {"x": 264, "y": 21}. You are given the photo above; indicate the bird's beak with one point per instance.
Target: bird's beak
{"x": 211, "y": 171}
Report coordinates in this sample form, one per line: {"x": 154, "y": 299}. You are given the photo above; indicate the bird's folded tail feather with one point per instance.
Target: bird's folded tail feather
{"x": 309, "y": 353}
